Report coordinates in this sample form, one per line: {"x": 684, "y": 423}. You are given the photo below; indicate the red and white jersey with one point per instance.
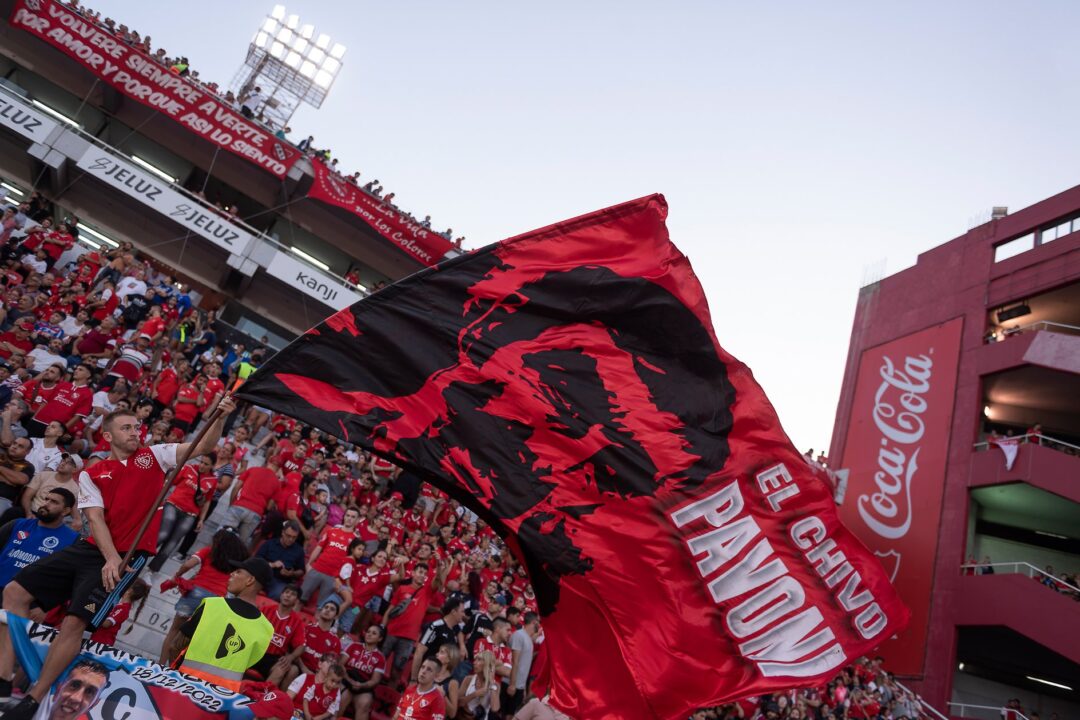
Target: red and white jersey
{"x": 416, "y": 705}
{"x": 503, "y": 654}
{"x": 318, "y": 642}
{"x": 363, "y": 663}
{"x": 130, "y": 364}
{"x": 289, "y": 632}
{"x": 319, "y": 700}
{"x": 335, "y": 545}
{"x": 367, "y": 582}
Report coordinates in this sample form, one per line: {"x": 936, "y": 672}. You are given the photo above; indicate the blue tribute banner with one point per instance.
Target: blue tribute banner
{"x": 104, "y": 683}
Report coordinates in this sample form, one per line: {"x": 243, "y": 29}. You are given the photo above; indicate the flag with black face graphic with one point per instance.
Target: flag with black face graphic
{"x": 566, "y": 384}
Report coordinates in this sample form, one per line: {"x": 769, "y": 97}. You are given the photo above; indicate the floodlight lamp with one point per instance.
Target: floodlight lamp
{"x": 338, "y": 51}
{"x": 331, "y": 66}
{"x": 293, "y": 59}
{"x": 323, "y": 79}
{"x": 307, "y": 69}
{"x": 294, "y": 22}
{"x": 300, "y": 45}
{"x": 278, "y": 12}
{"x": 323, "y": 42}
{"x": 307, "y": 31}
{"x": 277, "y": 50}
{"x": 270, "y": 26}
{"x": 261, "y": 39}
{"x": 285, "y": 37}
{"x": 316, "y": 56}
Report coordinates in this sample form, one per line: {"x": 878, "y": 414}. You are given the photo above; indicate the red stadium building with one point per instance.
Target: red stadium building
{"x": 959, "y": 428}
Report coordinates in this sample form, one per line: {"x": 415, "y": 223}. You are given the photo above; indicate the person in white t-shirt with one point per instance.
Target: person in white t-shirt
{"x": 43, "y": 357}
{"x": 132, "y": 284}
{"x": 46, "y": 454}
{"x": 35, "y": 262}
{"x": 73, "y": 325}
{"x": 104, "y": 402}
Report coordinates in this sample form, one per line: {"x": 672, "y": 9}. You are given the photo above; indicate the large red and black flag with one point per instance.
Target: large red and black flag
{"x": 566, "y": 384}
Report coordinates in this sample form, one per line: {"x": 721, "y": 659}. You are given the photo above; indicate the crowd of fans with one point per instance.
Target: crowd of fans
{"x": 251, "y": 104}
{"x": 383, "y": 587}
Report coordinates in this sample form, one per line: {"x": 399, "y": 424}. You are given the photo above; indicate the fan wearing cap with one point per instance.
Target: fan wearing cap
{"x": 226, "y": 636}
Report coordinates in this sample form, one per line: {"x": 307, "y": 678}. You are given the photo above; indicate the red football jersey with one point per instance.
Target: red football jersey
{"x": 289, "y": 632}
{"x": 416, "y": 705}
{"x": 363, "y": 663}
{"x": 318, "y": 642}
{"x": 319, "y": 700}
{"x": 335, "y": 545}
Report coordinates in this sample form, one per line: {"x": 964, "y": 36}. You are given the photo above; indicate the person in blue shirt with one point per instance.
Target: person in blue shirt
{"x": 27, "y": 540}
{"x": 286, "y": 558}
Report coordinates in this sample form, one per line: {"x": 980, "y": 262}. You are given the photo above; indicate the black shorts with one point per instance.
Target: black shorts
{"x": 74, "y": 574}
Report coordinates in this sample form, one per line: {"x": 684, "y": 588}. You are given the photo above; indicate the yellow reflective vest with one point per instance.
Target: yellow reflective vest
{"x": 225, "y": 644}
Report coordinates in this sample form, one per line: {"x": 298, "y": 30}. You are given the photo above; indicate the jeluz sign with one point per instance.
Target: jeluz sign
{"x": 896, "y": 451}
{"x": 142, "y": 79}
{"x": 157, "y": 194}
{"x": 23, "y": 119}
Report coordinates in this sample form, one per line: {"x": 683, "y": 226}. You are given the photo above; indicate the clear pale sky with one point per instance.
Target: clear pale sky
{"x": 798, "y": 144}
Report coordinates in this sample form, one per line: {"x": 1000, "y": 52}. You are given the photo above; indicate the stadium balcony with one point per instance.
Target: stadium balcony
{"x": 1041, "y": 461}
{"x": 1016, "y": 606}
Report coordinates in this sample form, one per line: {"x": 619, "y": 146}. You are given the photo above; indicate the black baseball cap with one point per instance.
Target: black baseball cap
{"x": 258, "y": 568}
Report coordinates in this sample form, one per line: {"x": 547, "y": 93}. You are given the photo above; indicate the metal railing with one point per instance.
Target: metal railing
{"x": 1039, "y": 439}
{"x": 998, "y": 710}
{"x": 928, "y": 709}
{"x": 1021, "y": 568}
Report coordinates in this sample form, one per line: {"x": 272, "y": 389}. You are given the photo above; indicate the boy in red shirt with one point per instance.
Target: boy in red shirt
{"x": 318, "y": 700}
{"x": 423, "y": 701}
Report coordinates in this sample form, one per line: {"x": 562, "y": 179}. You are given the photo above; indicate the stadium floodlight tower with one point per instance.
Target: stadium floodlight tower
{"x": 290, "y": 64}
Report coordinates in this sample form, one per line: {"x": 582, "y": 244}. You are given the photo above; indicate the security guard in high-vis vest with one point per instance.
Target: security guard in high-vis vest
{"x": 225, "y": 637}
{"x": 246, "y": 366}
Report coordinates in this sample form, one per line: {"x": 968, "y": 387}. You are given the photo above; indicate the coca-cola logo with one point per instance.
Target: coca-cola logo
{"x": 899, "y": 405}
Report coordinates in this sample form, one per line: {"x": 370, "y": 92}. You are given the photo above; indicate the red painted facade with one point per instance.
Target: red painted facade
{"x": 961, "y": 280}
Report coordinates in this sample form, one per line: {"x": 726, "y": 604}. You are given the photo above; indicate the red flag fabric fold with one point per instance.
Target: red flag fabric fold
{"x": 567, "y": 385}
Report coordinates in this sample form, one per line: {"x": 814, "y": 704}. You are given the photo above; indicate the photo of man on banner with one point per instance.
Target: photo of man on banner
{"x": 104, "y": 683}
{"x": 77, "y": 692}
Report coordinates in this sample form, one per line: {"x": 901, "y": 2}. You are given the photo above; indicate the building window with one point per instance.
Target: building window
{"x": 1013, "y": 248}
{"x": 1058, "y": 231}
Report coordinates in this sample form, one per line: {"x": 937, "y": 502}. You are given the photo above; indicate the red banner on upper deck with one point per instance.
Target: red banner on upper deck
{"x": 415, "y": 240}
{"x": 139, "y": 77}
{"x": 896, "y": 451}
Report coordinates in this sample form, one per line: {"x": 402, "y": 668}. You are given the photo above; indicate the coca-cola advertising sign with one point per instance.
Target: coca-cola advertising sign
{"x": 896, "y": 451}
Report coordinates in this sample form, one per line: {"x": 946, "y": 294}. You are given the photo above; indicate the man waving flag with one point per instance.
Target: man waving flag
{"x": 566, "y": 384}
